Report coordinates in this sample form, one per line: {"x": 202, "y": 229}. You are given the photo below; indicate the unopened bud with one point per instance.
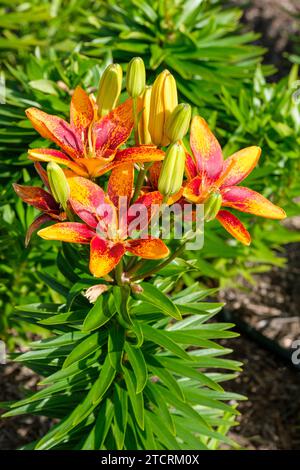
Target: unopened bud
{"x": 163, "y": 101}
{"x": 135, "y": 77}
{"x": 143, "y": 126}
{"x": 58, "y": 184}
{"x": 171, "y": 175}
{"x": 178, "y": 122}
{"x": 109, "y": 90}
{"x": 212, "y": 206}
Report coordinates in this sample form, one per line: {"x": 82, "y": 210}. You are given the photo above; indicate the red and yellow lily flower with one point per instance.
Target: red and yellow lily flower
{"x": 108, "y": 241}
{"x": 208, "y": 173}
{"x": 91, "y": 145}
{"x": 42, "y": 200}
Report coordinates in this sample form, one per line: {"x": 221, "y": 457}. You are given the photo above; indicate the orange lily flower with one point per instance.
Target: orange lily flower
{"x": 90, "y": 144}
{"x": 208, "y": 173}
{"x": 108, "y": 241}
{"x": 42, "y": 200}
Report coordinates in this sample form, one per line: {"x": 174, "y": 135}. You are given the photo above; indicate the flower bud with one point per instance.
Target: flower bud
{"x": 178, "y": 122}
{"x": 212, "y": 206}
{"x": 143, "y": 126}
{"x": 171, "y": 175}
{"x": 58, "y": 184}
{"x": 109, "y": 90}
{"x": 135, "y": 77}
{"x": 163, "y": 101}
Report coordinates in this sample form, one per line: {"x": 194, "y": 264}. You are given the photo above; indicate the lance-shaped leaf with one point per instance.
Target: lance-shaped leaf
{"x": 161, "y": 302}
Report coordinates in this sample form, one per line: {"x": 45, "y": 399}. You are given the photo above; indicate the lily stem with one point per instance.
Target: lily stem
{"x": 140, "y": 180}
{"x": 119, "y": 272}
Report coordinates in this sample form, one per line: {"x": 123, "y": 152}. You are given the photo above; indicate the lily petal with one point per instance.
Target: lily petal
{"x": 40, "y": 220}
{"x": 81, "y": 110}
{"x": 36, "y": 197}
{"x": 85, "y": 198}
{"x": 56, "y": 129}
{"x": 234, "y": 226}
{"x": 73, "y": 232}
{"x": 111, "y": 131}
{"x": 103, "y": 257}
{"x": 120, "y": 183}
{"x": 247, "y": 200}
{"x": 190, "y": 166}
{"x": 193, "y": 189}
{"x": 239, "y": 165}
{"x": 143, "y": 153}
{"x": 51, "y": 155}
{"x": 206, "y": 150}
{"x": 150, "y": 248}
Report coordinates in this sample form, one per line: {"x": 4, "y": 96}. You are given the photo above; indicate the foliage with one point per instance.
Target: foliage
{"x": 137, "y": 386}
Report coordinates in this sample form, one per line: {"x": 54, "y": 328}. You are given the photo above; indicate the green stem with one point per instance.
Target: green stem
{"x": 119, "y": 272}
{"x": 174, "y": 255}
{"x": 140, "y": 181}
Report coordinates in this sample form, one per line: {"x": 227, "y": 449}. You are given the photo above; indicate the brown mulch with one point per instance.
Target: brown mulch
{"x": 20, "y": 430}
{"x": 276, "y": 22}
{"x": 270, "y": 418}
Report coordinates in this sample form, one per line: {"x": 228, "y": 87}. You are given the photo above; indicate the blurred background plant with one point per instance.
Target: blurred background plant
{"x": 50, "y": 47}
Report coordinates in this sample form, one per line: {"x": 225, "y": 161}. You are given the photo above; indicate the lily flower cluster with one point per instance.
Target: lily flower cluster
{"x": 136, "y": 150}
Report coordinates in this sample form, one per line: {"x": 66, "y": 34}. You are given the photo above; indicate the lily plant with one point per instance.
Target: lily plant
{"x": 118, "y": 370}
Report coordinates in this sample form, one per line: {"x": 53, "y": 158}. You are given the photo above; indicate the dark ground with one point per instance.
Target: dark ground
{"x": 270, "y": 419}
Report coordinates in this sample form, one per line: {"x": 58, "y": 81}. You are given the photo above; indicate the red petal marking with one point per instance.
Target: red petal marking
{"x": 36, "y": 197}
{"x": 234, "y": 226}
{"x": 120, "y": 183}
{"x": 193, "y": 190}
{"x": 206, "y": 150}
{"x": 247, "y": 200}
{"x": 151, "y": 248}
{"x": 144, "y": 153}
{"x": 190, "y": 167}
{"x": 40, "y": 220}
{"x": 81, "y": 110}
{"x": 42, "y": 174}
{"x": 72, "y": 232}
{"x": 56, "y": 129}
{"x": 239, "y": 165}
{"x": 51, "y": 155}
{"x": 85, "y": 198}
{"x": 103, "y": 256}
{"x": 113, "y": 130}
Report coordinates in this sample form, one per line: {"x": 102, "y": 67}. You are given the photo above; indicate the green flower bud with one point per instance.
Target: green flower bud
{"x": 58, "y": 184}
{"x": 178, "y": 122}
{"x": 109, "y": 90}
{"x": 212, "y": 206}
{"x": 171, "y": 175}
{"x": 135, "y": 77}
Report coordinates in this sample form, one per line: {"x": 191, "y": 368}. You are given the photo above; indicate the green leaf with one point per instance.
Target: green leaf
{"x": 115, "y": 345}
{"x": 86, "y": 347}
{"x": 120, "y": 401}
{"x": 161, "y": 302}
{"x": 136, "y": 399}
{"x": 99, "y": 314}
{"x": 161, "y": 337}
{"x": 138, "y": 364}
